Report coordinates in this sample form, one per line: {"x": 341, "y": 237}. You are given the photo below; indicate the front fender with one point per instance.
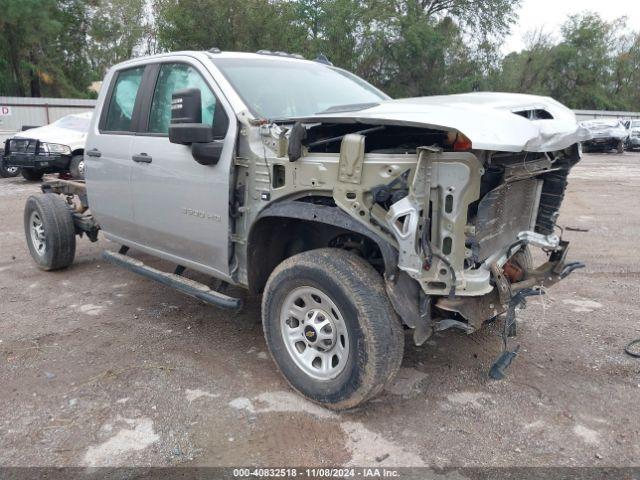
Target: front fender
{"x": 336, "y": 217}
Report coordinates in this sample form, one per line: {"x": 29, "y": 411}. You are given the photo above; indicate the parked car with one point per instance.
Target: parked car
{"x": 607, "y": 134}
{"x": 54, "y": 148}
{"x": 633, "y": 134}
{"x": 356, "y": 216}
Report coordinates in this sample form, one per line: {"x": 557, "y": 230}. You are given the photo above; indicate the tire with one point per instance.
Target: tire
{"x": 32, "y": 175}
{"x": 48, "y": 226}
{"x": 523, "y": 258}
{"x": 620, "y": 146}
{"x": 8, "y": 172}
{"x": 368, "y": 338}
{"x": 76, "y": 167}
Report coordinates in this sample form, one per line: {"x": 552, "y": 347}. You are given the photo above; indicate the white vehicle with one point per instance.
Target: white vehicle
{"x": 54, "y": 148}
{"x": 607, "y": 134}
{"x": 633, "y": 131}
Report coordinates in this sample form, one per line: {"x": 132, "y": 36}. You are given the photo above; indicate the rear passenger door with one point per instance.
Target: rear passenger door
{"x": 108, "y": 154}
{"x": 181, "y": 207}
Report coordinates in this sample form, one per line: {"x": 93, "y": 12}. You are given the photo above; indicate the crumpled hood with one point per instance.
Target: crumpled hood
{"x": 486, "y": 118}
{"x": 52, "y": 134}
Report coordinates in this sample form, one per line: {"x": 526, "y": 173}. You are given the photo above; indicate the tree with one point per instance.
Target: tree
{"x": 405, "y": 47}
{"x": 67, "y": 51}
{"x": 249, "y": 25}
{"x": 117, "y": 30}
{"x": 438, "y": 46}
{"x": 582, "y": 63}
{"x": 409, "y": 47}
{"x": 42, "y": 43}
{"x": 626, "y": 81}
{"x": 595, "y": 65}
{"x": 529, "y": 70}
{"x": 26, "y": 25}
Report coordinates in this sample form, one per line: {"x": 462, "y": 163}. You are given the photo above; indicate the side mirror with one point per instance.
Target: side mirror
{"x": 186, "y": 118}
{"x": 207, "y": 153}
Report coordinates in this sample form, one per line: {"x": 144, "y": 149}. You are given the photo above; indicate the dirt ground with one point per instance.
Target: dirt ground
{"x": 101, "y": 367}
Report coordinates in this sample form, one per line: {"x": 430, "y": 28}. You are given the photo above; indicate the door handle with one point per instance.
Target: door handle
{"x": 142, "y": 158}
{"x": 94, "y": 152}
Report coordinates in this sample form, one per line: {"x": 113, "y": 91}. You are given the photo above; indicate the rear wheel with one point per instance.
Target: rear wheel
{"x": 76, "y": 167}
{"x": 331, "y": 328}
{"x": 51, "y": 236}
{"x": 32, "y": 175}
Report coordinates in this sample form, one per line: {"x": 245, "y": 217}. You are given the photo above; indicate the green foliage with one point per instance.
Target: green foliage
{"x": 595, "y": 65}
{"x": 27, "y": 27}
{"x": 405, "y": 47}
{"x": 117, "y": 29}
{"x": 226, "y": 24}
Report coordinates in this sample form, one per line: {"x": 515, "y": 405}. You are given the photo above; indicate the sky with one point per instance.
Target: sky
{"x": 550, "y": 14}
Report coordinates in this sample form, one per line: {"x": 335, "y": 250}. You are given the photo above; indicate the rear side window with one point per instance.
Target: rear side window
{"x": 172, "y": 77}
{"x": 123, "y": 100}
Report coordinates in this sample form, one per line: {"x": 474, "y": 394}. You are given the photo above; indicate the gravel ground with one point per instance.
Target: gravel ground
{"x": 102, "y": 367}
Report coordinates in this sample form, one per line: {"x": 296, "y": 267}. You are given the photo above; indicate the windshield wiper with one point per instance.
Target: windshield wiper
{"x": 353, "y": 107}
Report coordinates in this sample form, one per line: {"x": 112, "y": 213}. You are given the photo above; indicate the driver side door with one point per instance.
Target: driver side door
{"x": 180, "y": 207}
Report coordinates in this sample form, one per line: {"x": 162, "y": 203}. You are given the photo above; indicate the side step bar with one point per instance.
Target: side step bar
{"x": 185, "y": 285}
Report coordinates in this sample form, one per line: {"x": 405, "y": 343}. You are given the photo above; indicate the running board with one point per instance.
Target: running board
{"x": 185, "y": 285}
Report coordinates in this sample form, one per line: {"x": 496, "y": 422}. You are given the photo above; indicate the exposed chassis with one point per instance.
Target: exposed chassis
{"x": 83, "y": 221}
{"x": 85, "y": 224}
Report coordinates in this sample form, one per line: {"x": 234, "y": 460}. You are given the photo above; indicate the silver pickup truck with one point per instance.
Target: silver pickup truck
{"x": 359, "y": 218}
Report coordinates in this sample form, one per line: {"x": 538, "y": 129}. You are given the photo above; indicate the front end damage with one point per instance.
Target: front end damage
{"x": 463, "y": 232}
{"x": 462, "y": 187}
{"x": 463, "y": 223}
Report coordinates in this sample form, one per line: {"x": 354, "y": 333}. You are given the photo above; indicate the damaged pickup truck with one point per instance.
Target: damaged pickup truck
{"x": 357, "y": 216}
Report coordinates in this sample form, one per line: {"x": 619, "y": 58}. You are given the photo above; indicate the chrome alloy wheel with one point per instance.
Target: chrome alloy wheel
{"x": 81, "y": 168}
{"x": 314, "y": 332}
{"x": 11, "y": 170}
{"x": 36, "y": 227}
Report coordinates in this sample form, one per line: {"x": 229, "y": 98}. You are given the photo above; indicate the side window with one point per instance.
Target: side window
{"x": 172, "y": 77}
{"x": 123, "y": 99}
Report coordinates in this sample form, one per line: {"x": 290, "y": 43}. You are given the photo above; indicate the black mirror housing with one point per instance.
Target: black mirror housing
{"x": 186, "y": 118}
{"x": 207, "y": 153}
{"x": 186, "y": 106}
{"x": 189, "y": 133}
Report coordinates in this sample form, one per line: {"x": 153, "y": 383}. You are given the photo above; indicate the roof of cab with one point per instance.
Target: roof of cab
{"x": 214, "y": 53}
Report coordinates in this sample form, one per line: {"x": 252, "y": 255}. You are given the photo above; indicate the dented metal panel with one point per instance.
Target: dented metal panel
{"x": 490, "y": 120}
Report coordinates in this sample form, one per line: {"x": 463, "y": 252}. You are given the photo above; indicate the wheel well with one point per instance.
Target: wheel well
{"x": 274, "y": 239}
{"x": 77, "y": 151}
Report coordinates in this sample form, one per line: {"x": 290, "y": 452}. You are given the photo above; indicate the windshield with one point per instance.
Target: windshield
{"x": 278, "y": 89}
{"x": 74, "y": 122}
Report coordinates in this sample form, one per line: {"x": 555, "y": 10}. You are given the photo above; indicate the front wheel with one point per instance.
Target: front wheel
{"x": 8, "y": 172}
{"x": 48, "y": 226}
{"x": 76, "y": 167}
{"x": 620, "y": 146}
{"x": 330, "y": 327}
